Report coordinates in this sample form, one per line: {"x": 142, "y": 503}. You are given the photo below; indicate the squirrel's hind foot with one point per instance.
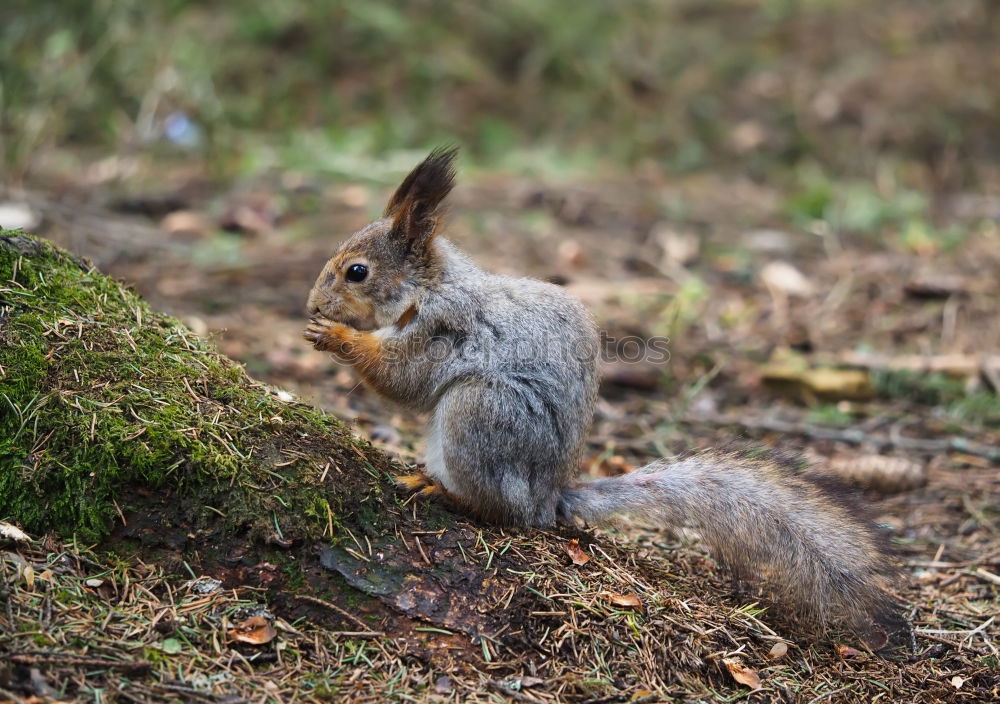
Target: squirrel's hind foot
{"x": 418, "y": 482}
{"x": 431, "y": 491}
{"x": 420, "y": 486}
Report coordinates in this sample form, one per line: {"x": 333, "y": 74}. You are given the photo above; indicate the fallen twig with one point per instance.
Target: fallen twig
{"x": 333, "y": 607}
{"x": 953, "y": 364}
{"x": 38, "y": 657}
{"x": 855, "y": 436}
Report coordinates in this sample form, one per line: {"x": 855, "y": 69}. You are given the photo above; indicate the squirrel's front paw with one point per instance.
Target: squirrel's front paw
{"x": 327, "y": 336}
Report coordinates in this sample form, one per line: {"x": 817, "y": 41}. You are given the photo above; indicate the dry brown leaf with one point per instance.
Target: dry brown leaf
{"x": 747, "y": 136}
{"x": 778, "y": 650}
{"x": 640, "y": 694}
{"x": 188, "y": 223}
{"x": 255, "y": 630}
{"x": 571, "y": 254}
{"x": 576, "y": 553}
{"x": 615, "y": 465}
{"x": 679, "y": 248}
{"x": 248, "y": 218}
{"x": 355, "y": 196}
{"x": 784, "y": 278}
{"x": 631, "y": 600}
{"x": 743, "y": 674}
{"x": 846, "y": 651}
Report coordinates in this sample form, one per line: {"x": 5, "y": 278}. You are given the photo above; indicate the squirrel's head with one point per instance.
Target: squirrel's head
{"x": 375, "y": 276}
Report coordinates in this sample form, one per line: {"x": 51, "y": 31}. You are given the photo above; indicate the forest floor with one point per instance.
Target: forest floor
{"x": 853, "y": 326}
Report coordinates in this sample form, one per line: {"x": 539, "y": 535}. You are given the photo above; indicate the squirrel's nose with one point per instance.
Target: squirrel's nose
{"x": 312, "y": 310}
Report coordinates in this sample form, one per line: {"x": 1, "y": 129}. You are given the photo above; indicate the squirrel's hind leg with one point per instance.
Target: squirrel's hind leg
{"x": 492, "y": 460}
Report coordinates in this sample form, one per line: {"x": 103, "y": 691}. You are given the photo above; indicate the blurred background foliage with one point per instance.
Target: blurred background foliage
{"x": 817, "y": 89}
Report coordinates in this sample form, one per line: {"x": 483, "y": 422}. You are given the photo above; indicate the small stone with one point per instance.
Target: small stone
{"x": 206, "y": 585}
{"x": 12, "y": 533}
{"x": 187, "y": 223}
{"x": 784, "y": 277}
{"x": 18, "y": 216}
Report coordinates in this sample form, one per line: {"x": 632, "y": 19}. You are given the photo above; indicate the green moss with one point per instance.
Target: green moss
{"x": 295, "y": 578}
{"x": 929, "y": 389}
{"x": 99, "y": 393}
{"x": 977, "y": 407}
{"x": 830, "y": 414}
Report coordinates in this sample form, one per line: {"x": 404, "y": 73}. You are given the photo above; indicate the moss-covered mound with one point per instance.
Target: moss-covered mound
{"x": 121, "y": 427}
{"x": 100, "y": 393}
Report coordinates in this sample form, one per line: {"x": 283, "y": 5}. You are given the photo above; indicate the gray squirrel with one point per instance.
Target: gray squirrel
{"x": 507, "y": 368}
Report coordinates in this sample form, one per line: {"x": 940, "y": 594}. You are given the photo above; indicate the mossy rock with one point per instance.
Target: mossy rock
{"x": 100, "y": 395}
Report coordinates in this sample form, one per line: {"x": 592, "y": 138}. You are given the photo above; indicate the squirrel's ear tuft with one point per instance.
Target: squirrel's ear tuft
{"x": 415, "y": 207}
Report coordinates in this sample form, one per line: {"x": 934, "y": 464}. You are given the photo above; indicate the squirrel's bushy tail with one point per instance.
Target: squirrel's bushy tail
{"x": 760, "y": 520}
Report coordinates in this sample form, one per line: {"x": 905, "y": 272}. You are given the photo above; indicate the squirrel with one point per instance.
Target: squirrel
{"x": 507, "y": 368}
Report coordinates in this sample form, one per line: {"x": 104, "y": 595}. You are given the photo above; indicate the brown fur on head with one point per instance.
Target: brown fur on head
{"x": 395, "y": 250}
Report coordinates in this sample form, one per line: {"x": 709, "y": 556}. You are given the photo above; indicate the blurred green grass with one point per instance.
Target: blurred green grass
{"x": 763, "y": 86}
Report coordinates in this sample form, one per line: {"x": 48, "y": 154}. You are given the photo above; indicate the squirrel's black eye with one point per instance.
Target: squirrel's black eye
{"x": 356, "y": 273}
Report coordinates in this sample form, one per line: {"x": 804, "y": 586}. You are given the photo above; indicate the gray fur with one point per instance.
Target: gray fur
{"x": 508, "y": 369}
{"x": 759, "y": 520}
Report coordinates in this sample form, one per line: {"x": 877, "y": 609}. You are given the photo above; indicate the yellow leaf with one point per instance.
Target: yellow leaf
{"x": 794, "y": 374}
